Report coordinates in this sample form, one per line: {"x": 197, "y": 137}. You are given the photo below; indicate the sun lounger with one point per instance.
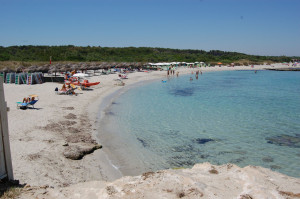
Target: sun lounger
{"x": 24, "y": 105}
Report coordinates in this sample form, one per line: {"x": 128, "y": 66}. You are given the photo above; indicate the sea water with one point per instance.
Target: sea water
{"x": 238, "y": 117}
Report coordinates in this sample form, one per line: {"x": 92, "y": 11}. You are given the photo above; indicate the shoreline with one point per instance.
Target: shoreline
{"x": 118, "y": 93}
{"x": 104, "y": 105}
{"x": 37, "y": 135}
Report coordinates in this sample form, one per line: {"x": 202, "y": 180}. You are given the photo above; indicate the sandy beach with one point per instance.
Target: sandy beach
{"x": 41, "y": 137}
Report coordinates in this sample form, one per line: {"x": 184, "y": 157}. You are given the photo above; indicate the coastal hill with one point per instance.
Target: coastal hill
{"x": 25, "y": 55}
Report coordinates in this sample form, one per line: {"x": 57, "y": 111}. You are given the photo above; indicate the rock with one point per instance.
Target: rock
{"x": 203, "y": 140}
{"x": 78, "y": 152}
{"x": 66, "y": 144}
{"x": 73, "y": 130}
{"x": 245, "y": 196}
{"x": 267, "y": 159}
{"x": 26, "y": 186}
{"x": 193, "y": 183}
{"x": 285, "y": 140}
{"x": 67, "y": 123}
{"x": 70, "y": 116}
{"x": 86, "y": 138}
{"x": 44, "y": 186}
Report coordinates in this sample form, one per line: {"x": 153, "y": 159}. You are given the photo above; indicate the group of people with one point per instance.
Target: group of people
{"x": 69, "y": 74}
{"x": 171, "y": 71}
{"x": 197, "y": 75}
{"x": 28, "y": 99}
{"x": 66, "y": 89}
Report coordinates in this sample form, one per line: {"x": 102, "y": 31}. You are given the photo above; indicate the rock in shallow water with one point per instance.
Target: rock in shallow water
{"x": 285, "y": 140}
{"x": 267, "y": 159}
{"x": 203, "y": 140}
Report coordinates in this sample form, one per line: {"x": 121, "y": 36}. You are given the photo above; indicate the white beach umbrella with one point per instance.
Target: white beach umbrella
{"x": 80, "y": 75}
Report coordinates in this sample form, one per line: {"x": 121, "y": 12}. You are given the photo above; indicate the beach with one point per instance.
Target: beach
{"x": 41, "y": 137}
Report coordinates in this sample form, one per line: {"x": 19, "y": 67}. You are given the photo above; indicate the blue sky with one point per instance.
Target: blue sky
{"x": 259, "y": 27}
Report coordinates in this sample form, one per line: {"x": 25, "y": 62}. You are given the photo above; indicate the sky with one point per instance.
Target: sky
{"x": 256, "y": 27}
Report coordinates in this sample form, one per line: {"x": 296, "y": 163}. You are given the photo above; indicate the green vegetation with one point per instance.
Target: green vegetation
{"x": 129, "y": 54}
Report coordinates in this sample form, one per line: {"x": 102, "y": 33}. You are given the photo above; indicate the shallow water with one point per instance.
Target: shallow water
{"x": 231, "y": 116}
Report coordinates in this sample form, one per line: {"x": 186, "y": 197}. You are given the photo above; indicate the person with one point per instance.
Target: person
{"x": 25, "y": 99}
{"x": 177, "y": 73}
{"x": 56, "y": 90}
{"x": 191, "y": 79}
{"x": 196, "y": 76}
{"x": 64, "y": 87}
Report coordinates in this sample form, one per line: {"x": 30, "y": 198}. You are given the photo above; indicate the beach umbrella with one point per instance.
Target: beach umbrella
{"x": 83, "y": 66}
{"x": 7, "y": 70}
{"x": 104, "y": 65}
{"x": 42, "y": 69}
{"x": 80, "y": 75}
{"x": 113, "y": 64}
{"x": 32, "y": 68}
{"x": 120, "y": 65}
{"x": 67, "y": 67}
{"x": 20, "y": 69}
{"x": 54, "y": 68}
{"x": 74, "y": 67}
{"x": 94, "y": 67}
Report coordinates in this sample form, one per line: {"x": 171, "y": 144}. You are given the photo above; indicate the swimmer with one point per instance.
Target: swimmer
{"x": 191, "y": 79}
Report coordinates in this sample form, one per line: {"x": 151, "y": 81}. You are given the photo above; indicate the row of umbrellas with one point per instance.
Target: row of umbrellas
{"x": 59, "y": 67}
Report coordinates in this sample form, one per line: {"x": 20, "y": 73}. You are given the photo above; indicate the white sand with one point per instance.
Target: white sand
{"x": 37, "y": 137}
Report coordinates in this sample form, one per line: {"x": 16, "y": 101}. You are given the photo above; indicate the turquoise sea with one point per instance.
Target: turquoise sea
{"x": 238, "y": 117}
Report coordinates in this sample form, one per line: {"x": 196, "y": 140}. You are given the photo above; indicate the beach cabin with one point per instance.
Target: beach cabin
{"x": 5, "y": 158}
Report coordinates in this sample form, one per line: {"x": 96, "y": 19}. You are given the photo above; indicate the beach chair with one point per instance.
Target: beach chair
{"x": 25, "y": 105}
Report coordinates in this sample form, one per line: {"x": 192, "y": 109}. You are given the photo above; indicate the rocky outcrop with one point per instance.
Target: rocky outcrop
{"x": 76, "y": 152}
{"x": 202, "y": 181}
